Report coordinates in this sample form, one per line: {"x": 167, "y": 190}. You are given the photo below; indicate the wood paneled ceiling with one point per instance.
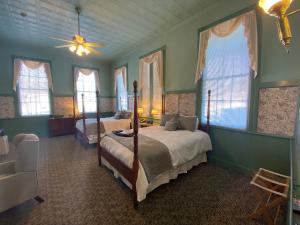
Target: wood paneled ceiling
{"x": 120, "y": 24}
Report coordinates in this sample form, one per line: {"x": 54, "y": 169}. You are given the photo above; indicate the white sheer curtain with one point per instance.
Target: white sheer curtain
{"x": 86, "y": 81}
{"x": 86, "y": 72}
{"x": 227, "y": 73}
{"x": 120, "y": 76}
{"x": 18, "y": 63}
{"x": 156, "y": 59}
{"x": 248, "y": 20}
{"x": 33, "y": 89}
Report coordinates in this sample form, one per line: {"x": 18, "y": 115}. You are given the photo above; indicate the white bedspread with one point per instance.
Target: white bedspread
{"x": 109, "y": 124}
{"x": 186, "y": 148}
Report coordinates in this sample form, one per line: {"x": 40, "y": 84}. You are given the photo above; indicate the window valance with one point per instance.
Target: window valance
{"x": 157, "y": 60}
{"x": 86, "y": 72}
{"x": 224, "y": 29}
{"x": 18, "y": 63}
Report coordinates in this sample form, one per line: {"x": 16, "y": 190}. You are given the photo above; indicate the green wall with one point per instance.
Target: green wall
{"x": 62, "y": 63}
{"x": 245, "y": 150}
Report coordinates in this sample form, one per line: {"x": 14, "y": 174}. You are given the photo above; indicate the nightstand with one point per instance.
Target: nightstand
{"x": 61, "y": 126}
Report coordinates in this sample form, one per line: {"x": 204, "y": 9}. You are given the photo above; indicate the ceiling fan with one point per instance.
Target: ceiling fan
{"x": 79, "y": 45}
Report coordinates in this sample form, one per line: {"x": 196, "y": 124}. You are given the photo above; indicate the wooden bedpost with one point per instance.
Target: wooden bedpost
{"x": 83, "y": 115}
{"x": 74, "y": 116}
{"x": 98, "y": 128}
{"x": 135, "y": 165}
{"x": 163, "y": 111}
{"x": 74, "y": 111}
{"x": 208, "y": 111}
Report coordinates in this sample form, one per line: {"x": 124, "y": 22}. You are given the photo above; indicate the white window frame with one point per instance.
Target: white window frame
{"x": 79, "y": 93}
{"x": 19, "y": 92}
{"x": 204, "y": 96}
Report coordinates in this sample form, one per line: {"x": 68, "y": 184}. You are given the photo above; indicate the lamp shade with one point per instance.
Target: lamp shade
{"x": 154, "y": 112}
{"x": 140, "y": 110}
{"x": 275, "y": 7}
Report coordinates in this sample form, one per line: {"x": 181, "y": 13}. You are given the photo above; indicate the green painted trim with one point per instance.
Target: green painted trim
{"x": 163, "y": 48}
{"x": 254, "y": 95}
{"x": 194, "y": 90}
{"x": 238, "y": 13}
{"x": 250, "y": 150}
{"x": 63, "y": 95}
{"x": 27, "y": 117}
{"x": 253, "y": 106}
{"x": 85, "y": 67}
{"x": 120, "y": 66}
{"x": 283, "y": 83}
{"x": 227, "y": 164}
{"x": 251, "y": 132}
{"x": 7, "y": 95}
{"x": 31, "y": 59}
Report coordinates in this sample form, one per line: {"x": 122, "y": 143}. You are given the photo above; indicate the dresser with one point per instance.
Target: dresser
{"x": 61, "y": 126}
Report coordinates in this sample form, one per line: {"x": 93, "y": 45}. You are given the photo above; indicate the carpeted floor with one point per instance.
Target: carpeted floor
{"x": 77, "y": 191}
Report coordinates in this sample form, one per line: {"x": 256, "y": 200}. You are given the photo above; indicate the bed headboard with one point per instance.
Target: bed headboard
{"x": 185, "y": 104}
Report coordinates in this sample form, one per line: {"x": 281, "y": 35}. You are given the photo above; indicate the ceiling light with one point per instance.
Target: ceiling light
{"x": 72, "y": 48}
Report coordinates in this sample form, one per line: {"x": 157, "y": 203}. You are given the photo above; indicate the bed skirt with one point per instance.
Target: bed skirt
{"x": 142, "y": 185}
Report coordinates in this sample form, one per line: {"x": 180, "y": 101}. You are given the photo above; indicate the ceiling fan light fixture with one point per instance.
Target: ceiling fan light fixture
{"x": 78, "y": 52}
{"x": 72, "y": 48}
{"x": 79, "y": 45}
{"x": 87, "y": 51}
{"x": 80, "y": 48}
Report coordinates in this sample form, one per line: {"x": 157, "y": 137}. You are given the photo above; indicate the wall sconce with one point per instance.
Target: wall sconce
{"x": 278, "y": 9}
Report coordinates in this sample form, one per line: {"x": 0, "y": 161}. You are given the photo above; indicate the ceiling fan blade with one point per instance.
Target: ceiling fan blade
{"x": 94, "y": 51}
{"x": 64, "y": 46}
{"x": 59, "y": 39}
{"x": 94, "y": 44}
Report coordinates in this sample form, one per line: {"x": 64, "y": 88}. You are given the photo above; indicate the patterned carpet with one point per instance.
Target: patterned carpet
{"x": 77, "y": 191}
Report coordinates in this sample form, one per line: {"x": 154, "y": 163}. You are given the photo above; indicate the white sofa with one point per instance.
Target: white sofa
{"x": 18, "y": 179}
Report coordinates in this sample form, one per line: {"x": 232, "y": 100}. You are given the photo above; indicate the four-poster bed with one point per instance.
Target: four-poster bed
{"x": 169, "y": 153}
{"x": 86, "y": 128}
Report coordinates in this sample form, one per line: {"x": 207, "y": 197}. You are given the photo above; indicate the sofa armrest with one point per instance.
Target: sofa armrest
{"x": 7, "y": 167}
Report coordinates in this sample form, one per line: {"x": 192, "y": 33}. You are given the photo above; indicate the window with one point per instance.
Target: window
{"x": 227, "y": 75}
{"x": 33, "y": 88}
{"x": 151, "y": 84}
{"x": 86, "y": 84}
{"x": 121, "y": 88}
